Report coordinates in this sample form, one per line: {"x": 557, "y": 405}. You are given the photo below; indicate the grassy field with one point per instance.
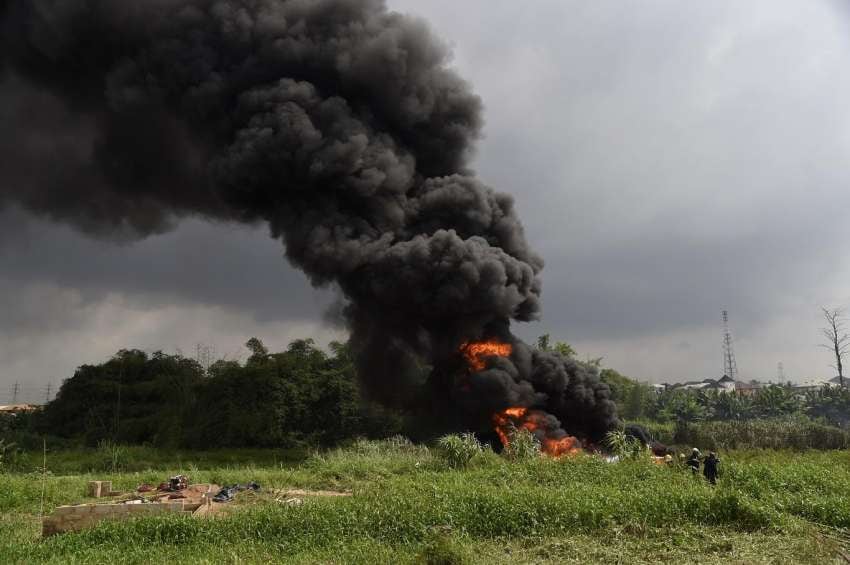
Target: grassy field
{"x": 409, "y": 506}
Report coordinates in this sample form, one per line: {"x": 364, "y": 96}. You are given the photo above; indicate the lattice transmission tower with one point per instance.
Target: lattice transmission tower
{"x": 730, "y": 367}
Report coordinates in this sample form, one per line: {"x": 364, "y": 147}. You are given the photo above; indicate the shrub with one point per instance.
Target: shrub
{"x": 7, "y": 453}
{"x": 624, "y": 446}
{"x": 442, "y": 549}
{"x": 394, "y": 445}
{"x": 459, "y": 449}
{"x": 111, "y": 454}
{"x": 522, "y": 445}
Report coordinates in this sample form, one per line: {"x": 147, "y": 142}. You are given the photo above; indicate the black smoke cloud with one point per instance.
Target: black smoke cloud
{"x": 335, "y": 122}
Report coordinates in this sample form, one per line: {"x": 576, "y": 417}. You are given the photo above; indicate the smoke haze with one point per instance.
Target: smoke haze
{"x": 336, "y": 123}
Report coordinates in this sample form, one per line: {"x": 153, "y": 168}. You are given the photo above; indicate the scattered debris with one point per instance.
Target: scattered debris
{"x": 178, "y": 482}
{"x": 227, "y": 493}
{"x": 302, "y": 492}
{"x": 177, "y": 495}
{"x": 295, "y": 497}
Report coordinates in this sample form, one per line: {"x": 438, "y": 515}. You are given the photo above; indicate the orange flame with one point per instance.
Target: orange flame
{"x": 567, "y": 445}
{"x": 503, "y": 422}
{"x": 518, "y": 418}
{"x": 476, "y": 352}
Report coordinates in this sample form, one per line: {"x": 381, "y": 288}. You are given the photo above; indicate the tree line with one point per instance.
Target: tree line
{"x": 300, "y": 396}
{"x": 830, "y": 405}
{"x": 306, "y": 396}
{"x": 638, "y": 401}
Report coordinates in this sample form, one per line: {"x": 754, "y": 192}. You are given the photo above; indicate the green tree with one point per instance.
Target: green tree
{"x": 775, "y": 401}
{"x": 730, "y": 406}
{"x": 831, "y": 404}
{"x": 682, "y": 407}
{"x": 544, "y": 343}
{"x": 132, "y": 398}
{"x": 259, "y": 352}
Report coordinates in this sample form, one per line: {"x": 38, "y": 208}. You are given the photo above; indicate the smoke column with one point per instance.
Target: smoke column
{"x": 337, "y": 123}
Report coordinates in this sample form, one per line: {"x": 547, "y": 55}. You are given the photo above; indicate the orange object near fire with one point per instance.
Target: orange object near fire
{"x": 476, "y": 352}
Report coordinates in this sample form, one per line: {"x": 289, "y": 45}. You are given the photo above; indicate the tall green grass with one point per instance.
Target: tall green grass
{"x": 783, "y": 433}
{"x": 411, "y": 505}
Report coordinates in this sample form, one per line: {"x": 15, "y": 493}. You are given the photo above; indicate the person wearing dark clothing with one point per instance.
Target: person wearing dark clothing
{"x": 693, "y": 462}
{"x": 710, "y": 468}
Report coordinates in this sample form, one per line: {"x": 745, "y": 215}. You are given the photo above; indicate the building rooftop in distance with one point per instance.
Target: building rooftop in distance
{"x": 17, "y": 408}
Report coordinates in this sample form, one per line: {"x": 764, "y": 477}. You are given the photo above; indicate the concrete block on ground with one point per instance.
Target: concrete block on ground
{"x": 98, "y": 489}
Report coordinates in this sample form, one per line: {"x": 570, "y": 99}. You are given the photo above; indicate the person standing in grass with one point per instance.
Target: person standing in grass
{"x": 693, "y": 462}
{"x": 710, "y": 468}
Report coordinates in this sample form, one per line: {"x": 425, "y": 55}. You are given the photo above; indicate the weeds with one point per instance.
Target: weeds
{"x": 624, "y": 446}
{"x": 112, "y": 455}
{"x": 7, "y": 453}
{"x": 408, "y": 508}
{"x": 778, "y": 433}
{"x": 522, "y": 445}
{"x": 459, "y": 449}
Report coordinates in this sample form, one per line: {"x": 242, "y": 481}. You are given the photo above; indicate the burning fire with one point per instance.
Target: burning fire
{"x": 506, "y": 421}
{"x": 476, "y": 352}
{"x": 553, "y": 441}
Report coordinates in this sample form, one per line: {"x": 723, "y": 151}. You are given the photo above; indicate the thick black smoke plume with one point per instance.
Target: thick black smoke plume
{"x": 336, "y": 122}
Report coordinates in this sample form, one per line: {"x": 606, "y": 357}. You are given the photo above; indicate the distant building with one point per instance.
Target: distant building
{"x": 705, "y": 384}
{"x": 811, "y": 385}
{"x": 748, "y": 389}
{"x": 727, "y": 382}
{"x": 17, "y": 408}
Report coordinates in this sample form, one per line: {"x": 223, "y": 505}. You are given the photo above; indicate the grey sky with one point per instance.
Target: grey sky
{"x": 669, "y": 160}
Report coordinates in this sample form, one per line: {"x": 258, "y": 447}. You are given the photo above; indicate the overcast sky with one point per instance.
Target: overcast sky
{"x": 669, "y": 159}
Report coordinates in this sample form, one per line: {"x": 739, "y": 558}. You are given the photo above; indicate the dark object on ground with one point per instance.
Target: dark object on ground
{"x": 638, "y": 432}
{"x": 659, "y": 449}
{"x": 178, "y": 482}
{"x": 144, "y": 487}
{"x": 710, "y": 468}
{"x": 642, "y": 434}
{"x": 227, "y": 493}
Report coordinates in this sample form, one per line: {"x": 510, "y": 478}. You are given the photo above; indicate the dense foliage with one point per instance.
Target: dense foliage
{"x": 301, "y": 396}
{"x": 828, "y": 405}
{"x": 305, "y": 396}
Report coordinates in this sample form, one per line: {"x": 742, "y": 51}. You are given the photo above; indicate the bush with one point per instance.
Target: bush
{"x": 111, "y": 454}
{"x": 624, "y": 446}
{"x": 7, "y": 453}
{"x": 522, "y": 445}
{"x": 459, "y": 449}
{"x": 442, "y": 549}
